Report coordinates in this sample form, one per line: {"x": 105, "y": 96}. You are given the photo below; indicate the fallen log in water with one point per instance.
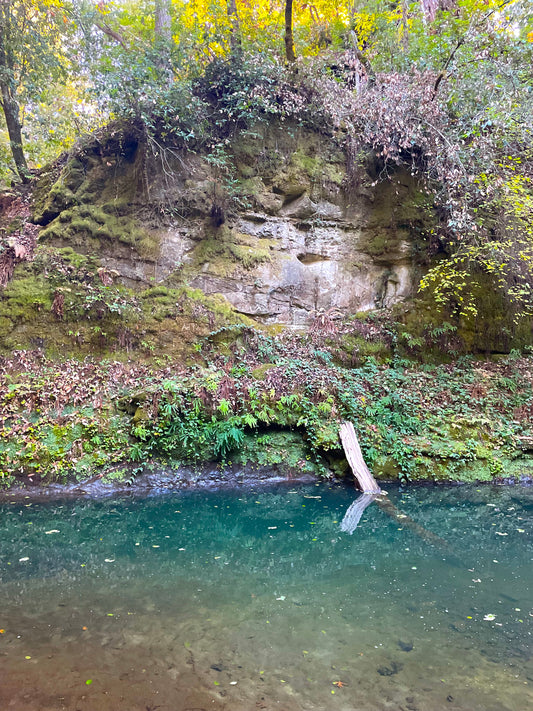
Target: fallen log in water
{"x": 355, "y": 459}
{"x": 386, "y": 505}
{"x": 353, "y": 515}
{"x": 370, "y": 486}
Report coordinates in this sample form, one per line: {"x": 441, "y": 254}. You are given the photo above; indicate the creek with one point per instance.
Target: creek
{"x": 256, "y": 598}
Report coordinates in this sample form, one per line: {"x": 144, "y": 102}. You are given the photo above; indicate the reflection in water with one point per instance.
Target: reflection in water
{"x": 355, "y": 511}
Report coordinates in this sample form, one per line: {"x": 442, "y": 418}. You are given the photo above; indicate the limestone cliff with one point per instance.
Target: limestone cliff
{"x": 278, "y": 225}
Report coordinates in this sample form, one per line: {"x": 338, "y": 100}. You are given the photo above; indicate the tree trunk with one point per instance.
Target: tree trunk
{"x": 8, "y": 101}
{"x": 14, "y": 129}
{"x": 163, "y": 37}
{"x": 289, "y": 37}
{"x": 405, "y": 24}
{"x": 235, "y": 30}
{"x": 163, "y": 23}
{"x": 431, "y": 7}
{"x": 365, "y": 62}
{"x": 429, "y": 10}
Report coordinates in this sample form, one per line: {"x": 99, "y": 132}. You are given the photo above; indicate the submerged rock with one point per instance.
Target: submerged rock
{"x": 391, "y": 670}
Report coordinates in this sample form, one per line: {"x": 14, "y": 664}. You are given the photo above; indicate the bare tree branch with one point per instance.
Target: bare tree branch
{"x": 111, "y": 33}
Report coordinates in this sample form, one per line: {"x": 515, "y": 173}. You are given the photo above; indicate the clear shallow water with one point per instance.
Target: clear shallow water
{"x": 258, "y": 600}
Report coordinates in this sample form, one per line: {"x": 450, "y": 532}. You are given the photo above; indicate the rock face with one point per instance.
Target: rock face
{"x": 312, "y": 265}
{"x": 281, "y": 226}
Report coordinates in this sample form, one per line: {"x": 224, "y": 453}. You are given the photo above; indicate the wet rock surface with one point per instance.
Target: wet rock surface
{"x": 208, "y": 476}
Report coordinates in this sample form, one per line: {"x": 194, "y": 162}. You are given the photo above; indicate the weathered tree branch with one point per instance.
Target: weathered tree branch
{"x": 111, "y": 33}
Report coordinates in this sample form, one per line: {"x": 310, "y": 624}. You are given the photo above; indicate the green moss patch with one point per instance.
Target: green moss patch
{"x": 228, "y": 251}
{"x": 92, "y": 229}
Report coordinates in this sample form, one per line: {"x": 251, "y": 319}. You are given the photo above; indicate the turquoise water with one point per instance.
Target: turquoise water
{"x": 257, "y": 599}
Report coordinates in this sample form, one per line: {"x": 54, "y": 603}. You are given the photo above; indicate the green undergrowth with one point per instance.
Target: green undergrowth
{"x": 268, "y": 400}
{"x": 427, "y": 326}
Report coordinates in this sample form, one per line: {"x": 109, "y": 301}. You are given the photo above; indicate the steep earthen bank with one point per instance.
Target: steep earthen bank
{"x": 258, "y": 407}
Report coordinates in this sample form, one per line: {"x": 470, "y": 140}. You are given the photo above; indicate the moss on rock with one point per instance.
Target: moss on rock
{"x": 91, "y": 229}
{"x": 276, "y": 446}
{"x": 225, "y": 251}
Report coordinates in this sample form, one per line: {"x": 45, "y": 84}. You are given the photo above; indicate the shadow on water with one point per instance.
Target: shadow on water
{"x": 355, "y": 511}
